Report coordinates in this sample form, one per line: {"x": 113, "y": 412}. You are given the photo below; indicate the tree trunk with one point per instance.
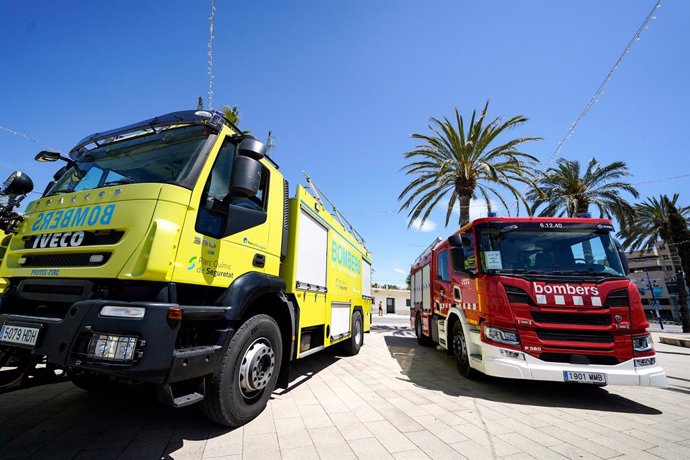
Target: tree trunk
{"x": 683, "y": 301}
{"x": 464, "y": 209}
{"x": 680, "y": 235}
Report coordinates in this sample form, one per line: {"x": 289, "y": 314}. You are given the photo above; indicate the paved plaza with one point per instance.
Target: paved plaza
{"x": 394, "y": 400}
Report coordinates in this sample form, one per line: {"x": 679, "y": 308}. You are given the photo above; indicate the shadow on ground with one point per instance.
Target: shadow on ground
{"x": 63, "y": 421}
{"x": 435, "y": 370}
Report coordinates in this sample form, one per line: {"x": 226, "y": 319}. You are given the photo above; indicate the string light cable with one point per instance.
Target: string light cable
{"x": 211, "y": 20}
{"x": 600, "y": 90}
{"x": 510, "y": 203}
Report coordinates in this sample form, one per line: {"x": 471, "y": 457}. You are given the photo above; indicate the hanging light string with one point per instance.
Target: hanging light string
{"x": 24, "y": 136}
{"x": 511, "y": 203}
{"x": 600, "y": 90}
{"x": 210, "y": 53}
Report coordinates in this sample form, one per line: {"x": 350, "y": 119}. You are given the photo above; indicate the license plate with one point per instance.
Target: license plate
{"x": 596, "y": 378}
{"x": 19, "y": 335}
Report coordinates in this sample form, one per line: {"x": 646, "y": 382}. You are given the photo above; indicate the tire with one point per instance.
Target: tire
{"x": 462, "y": 356}
{"x": 422, "y": 339}
{"x": 245, "y": 379}
{"x": 356, "y": 340}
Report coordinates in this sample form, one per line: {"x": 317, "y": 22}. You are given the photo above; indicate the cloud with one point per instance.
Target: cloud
{"x": 427, "y": 226}
{"x": 401, "y": 271}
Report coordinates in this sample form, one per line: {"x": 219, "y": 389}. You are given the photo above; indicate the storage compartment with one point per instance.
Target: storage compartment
{"x": 340, "y": 320}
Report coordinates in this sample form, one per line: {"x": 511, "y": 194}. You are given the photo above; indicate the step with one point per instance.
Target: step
{"x": 677, "y": 341}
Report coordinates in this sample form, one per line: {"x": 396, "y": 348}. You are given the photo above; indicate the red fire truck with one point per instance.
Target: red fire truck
{"x": 534, "y": 298}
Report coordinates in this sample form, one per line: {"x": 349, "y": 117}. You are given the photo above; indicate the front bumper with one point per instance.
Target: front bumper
{"x": 64, "y": 341}
{"x": 531, "y": 368}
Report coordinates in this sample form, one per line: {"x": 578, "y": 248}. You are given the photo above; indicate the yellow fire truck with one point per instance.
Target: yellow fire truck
{"x": 169, "y": 252}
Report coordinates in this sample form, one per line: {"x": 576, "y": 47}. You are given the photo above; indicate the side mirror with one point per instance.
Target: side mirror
{"x": 624, "y": 259}
{"x": 246, "y": 176}
{"x": 47, "y": 156}
{"x": 17, "y": 184}
{"x": 455, "y": 241}
{"x": 252, "y": 148}
{"x": 457, "y": 258}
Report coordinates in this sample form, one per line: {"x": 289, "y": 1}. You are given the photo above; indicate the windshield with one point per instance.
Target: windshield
{"x": 554, "y": 251}
{"x": 164, "y": 156}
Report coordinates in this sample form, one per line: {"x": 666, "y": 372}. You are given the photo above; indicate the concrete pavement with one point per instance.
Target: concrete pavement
{"x": 394, "y": 400}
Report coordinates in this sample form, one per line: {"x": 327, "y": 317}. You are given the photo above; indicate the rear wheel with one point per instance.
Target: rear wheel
{"x": 356, "y": 340}
{"x": 462, "y": 356}
{"x": 240, "y": 389}
{"x": 421, "y": 338}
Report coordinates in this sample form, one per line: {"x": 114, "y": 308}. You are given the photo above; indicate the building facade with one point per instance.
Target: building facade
{"x": 654, "y": 273}
{"x": 393, "y": 301}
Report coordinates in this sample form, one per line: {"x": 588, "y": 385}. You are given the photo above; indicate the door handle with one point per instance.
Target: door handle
{"x": 259, "y": 260}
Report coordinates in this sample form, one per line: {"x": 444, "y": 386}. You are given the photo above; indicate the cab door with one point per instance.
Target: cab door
{"x": 441, "y": 284}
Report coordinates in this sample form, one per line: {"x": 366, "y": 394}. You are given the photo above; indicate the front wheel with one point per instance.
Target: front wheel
{"x": 462, "y": 356}
{"x": 356, "y": 340}
{"x": 240, "y": 389}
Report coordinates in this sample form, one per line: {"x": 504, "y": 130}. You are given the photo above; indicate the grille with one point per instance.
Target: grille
{"x": 76, "y": 290}
{"x": 572, "y": 318}
{"x": 578, "y": 359}
{"x": 617, "y": 298}
{"x": 517, "y": 295}
{"x": 64, "y": 260}
{"x": 574, "y": 336}
{"x": 90, "y": 239}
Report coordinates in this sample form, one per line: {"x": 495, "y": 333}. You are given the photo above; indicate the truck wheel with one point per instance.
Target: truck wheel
{"x": 462, "y": 356}
{"x": 356, "y": 340}
{"x": 421, "y": 338}
{"x": 246, "y": 377}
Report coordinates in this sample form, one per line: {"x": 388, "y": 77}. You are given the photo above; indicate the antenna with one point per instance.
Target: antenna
{"x": 210, "y": 54}
{"x": 318, "y": 193}
{"x": 270, "y": 141}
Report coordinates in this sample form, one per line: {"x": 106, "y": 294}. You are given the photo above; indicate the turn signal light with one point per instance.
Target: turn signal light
{"x": 175, "y": 313}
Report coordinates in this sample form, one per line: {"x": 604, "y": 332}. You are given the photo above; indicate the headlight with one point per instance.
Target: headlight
{"x": 642, "y": 343}
{"x": 509, "y": 337}
{"x": 110, "y": 347}
{"x": 123, "y": 311}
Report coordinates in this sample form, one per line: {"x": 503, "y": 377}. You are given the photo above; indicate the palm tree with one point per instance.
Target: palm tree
{"x": 564, "y": 190}
{"x": 459, "y": 164}
{"x": 232, "y": 114}
{"x": 661, "y": 219}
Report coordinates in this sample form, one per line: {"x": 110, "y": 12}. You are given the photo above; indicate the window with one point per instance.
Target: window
{"x": 407, "y": 303}
{"x": 241, "y": 215}
{"x": 442, "y": 272}
{"x": 468, "y": 248}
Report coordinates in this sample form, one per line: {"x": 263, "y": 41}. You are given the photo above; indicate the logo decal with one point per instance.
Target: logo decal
{"x": 192, "y": 263}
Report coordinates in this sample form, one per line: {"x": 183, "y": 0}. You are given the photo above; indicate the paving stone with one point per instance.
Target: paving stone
{"x": 260, "y": 446}
{"x": 292, "y": 433}
{"x": 392, "y": 439}
{"x": 330, "y": 444}
{"x": 366, "y": 449}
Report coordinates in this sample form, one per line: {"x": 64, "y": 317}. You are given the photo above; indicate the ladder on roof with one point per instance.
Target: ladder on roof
{"x": 318, "y": 193}
{"x": 428, "y": 249}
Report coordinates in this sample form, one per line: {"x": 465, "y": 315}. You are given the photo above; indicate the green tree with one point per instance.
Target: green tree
{"x": 408, "y": 281}
{"x": 660, "y": 219}
{"x": 565, "y": 190}
{"x": 232, "y": 114}
{"x": 459, "y": 163}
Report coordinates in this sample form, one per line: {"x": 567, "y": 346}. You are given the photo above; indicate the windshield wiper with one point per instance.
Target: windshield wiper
{"x": 516, "y": 271}
{"x": 587, "y": 272}
{"x": 124, "y": 180}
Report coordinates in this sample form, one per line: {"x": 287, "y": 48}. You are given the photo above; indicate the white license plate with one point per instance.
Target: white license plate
{"x": 584, "y": 377}
{"x": 20, "y": 335}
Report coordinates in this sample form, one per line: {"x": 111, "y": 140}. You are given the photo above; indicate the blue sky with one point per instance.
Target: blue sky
{"x": 342, "y": 85}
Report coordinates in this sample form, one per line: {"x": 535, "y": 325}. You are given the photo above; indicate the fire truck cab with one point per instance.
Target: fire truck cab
{"x": 534, "y": 298}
